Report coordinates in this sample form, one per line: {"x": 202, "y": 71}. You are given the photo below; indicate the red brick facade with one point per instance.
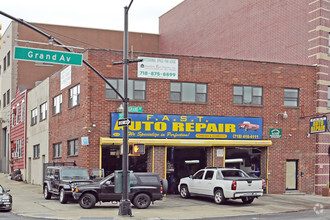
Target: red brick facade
{"x": 220, "y": 75}
{"x": 18, "y": 130}
{"x": 286, "y": 31}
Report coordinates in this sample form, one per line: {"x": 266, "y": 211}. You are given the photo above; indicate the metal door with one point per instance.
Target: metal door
{"x": 291, "y": 174}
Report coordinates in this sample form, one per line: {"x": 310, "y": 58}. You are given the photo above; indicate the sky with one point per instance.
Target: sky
{"x": 104, "y": 14}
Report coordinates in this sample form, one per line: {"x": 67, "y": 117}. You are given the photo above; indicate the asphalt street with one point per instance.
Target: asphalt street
{"x": 28, "y": 201}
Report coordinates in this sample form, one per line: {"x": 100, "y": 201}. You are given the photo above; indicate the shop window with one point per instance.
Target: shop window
{"x": 73, "y": 147}
{"x": 57, "y": 104}
{"x": 248, "y": 95}
{"x": 57, "y": 150}
{"x": 74, "y": 96}
{"x": 43, "y": 111}
{"x": 136, "y": 89}
{"x": 291, "y": 97}
{"x": 188, "y": 92}
{"x": 34, "y": 116}
{"x": 36, "y": 151}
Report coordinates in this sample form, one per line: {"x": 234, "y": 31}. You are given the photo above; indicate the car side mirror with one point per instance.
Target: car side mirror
{"x": 8, "y": 190}
{"x": 190, "y": 176}
{"x": 108, "y": 182}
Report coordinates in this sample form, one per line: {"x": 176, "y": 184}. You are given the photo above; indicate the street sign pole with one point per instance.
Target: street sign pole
{"x": 125, "y": 204}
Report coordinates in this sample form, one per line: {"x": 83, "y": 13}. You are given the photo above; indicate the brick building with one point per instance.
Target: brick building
{"x": 285, "y": 31}
{"x": 21, "y": 74}
{"x": 194, "y": 117}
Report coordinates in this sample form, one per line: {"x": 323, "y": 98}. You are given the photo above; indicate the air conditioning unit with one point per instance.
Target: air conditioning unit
{"x": 14, "y": 154}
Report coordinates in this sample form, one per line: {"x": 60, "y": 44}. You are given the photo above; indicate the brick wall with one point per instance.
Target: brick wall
{"x": 221, "y": 75}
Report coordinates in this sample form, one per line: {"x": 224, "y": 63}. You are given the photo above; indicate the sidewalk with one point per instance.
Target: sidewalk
{"x": 28, "y": 201}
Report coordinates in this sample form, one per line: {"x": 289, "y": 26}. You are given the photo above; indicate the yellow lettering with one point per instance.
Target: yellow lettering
{"x": 183, "y": 118}
{"x": 165, "y": 118}
{"x": 200, "y": 118}
{"x": 135, "y": 126}
{"x": 117, "y": 127}
{"x": 211, "y": 127}
{"x": 177, "y": 126}
{"x": 190, "y": 127}
{"x": 147, "y": 125}
{"x": 160, "y": 126}
{"x": 199, "y": 126}
{"x": 230, "y": 128}
{"x": 220, "y": 127}
{"x": 149, "y": 116}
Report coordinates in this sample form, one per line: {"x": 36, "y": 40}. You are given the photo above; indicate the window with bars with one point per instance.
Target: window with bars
{"x": 136, "y": 89}
{"x": 248, "y": 95}
{"x": 19, "y": 148}
{"x": 291, "y": 97}
{"x": 73, "y": 147}
{"x": 57, "y": 104}
{"x": 43, "y": 111}
{"x": 74, "y": 96}
{"x": 57, "y": 150}
{"x": 188, "y": 92}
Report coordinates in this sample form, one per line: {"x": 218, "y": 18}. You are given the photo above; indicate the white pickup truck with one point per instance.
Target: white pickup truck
{"x": 222, "y": 184}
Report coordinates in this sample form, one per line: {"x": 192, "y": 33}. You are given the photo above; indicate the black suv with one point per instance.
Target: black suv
{"x": 144, "y": 189}
{"x": 60, "y": 179}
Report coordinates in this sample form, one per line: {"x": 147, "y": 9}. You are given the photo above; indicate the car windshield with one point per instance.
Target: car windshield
{"x": 1, "y": 190}
{"x": 75, "y": 174}
{"x": 107, "y": 178}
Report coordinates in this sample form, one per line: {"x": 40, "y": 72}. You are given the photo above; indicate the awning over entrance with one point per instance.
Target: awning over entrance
{"x": 187, "y": 142}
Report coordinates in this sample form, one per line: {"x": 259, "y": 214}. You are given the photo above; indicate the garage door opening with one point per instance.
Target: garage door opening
{"x": 183, "y": 162}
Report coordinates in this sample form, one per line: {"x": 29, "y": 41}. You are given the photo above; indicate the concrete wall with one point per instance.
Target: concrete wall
{"x": 38, "y": 133}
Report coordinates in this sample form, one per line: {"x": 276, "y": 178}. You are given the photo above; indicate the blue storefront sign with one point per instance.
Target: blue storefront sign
{"x": 188, "y": 126}
{"x": 318, "y": 125}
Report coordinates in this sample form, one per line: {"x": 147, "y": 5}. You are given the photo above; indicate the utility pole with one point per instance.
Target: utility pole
{"x": 125, "y": 204}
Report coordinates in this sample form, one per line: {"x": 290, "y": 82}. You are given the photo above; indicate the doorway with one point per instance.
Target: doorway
{"x": 291, "y": 174}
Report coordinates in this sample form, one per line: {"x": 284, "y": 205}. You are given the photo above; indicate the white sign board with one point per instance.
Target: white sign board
{"x": 66, "y": 77}
{"x": 84, "y": 141}
{"x": 158, "y": 68}
{"x": 219, "y": 152}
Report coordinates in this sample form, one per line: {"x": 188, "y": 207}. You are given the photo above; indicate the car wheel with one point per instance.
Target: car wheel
{"x": 47, "y": 194}
{"x": 87, "y": 201}
{"x": 247, "y": 200}
{"x": 184, "y": 192}
{"x": 246, "y": 128}
{"x": 219, "y": 197}
{"x": 63, "y": 197}
{"x": 165, "y": 185}
{"x": 142, "y": 201}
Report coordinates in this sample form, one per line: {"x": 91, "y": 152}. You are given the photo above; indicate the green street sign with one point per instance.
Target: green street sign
{"x": 135, "y": 109}
{"x": 275, "y": 133}
{"x": 47, "y": 56}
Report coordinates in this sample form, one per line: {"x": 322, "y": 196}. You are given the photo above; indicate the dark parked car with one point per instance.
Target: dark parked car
{"x": 5, "y": 199}
{"x": 60, "y": 179}
{"x": 144, "y": 189}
